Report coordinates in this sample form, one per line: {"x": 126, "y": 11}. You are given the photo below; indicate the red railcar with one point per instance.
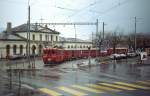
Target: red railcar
{"x": 55, "y": 55}
{"x": 52, "y": 56}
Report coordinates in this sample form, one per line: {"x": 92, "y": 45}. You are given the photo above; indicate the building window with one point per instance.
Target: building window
{"x": 7, "y": 50}
{"x": 21, "y": 49}
{"x": 80, "y": 46}
{"x": 56, "y": 38}
{"x": 40, "y": 49}
{"x": 71, "y": 46}
{"x": 40, "y": 37}
{"x": 14, "y": 49}
{"x": 68, "y": 46}
{"x": 46, "y": 37}
{"x": 51, "y": 37}
{"x": 33, "y": 37}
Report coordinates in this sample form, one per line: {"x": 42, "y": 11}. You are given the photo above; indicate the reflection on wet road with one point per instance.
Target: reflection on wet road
{"x": 100, "y": 89}
{"x": 113, "y": 78}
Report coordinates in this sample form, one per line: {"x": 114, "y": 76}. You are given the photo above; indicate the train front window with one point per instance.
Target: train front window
{"x": 45, "y": 51}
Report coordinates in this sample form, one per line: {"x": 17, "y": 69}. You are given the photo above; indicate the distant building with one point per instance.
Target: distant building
{"x": 13, "y": 41}
{"x": 74, "y": 44}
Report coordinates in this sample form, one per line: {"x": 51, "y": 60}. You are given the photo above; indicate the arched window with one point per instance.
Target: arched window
{"x": 33, "y": 49}
{"x": 15, "y": 49}
{"x": 68, "y": 46}
{"x": 51, "y": 37}
{"x": 40, "y": 49}
{"x": 21, "y": 49}
{"x": 40, "y": 37}
{"x": 71, "y": 46}
{"x": 56, "y": 38}
{"x": 80, "y": 46}
{"x": 7, "y": 50}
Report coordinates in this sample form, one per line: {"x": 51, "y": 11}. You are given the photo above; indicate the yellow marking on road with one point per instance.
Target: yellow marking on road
{"x": 49, "y": 92}
{"x": 72, "y": 91}
{"x": 87, "y": 89}
{"x": 103, "y": 87}
{"x": 117, "y": 86}
{"x": 132, "y": 85}
{"x": 143, "y": 82}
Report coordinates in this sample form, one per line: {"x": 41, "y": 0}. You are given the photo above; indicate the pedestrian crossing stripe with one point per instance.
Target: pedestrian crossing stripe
{"x": 117, "y": 86}
{"x": 87, "y": 89}
{"x": 100, "y": 88}
{"x": 143, "y": 82}
{"x": 103, "y": 87}
{"x": 132, "y": 85}
{"x": 49, "y": 92}
{"x": 72, "y": 91}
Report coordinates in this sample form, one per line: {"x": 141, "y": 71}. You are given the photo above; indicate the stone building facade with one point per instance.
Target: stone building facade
{"x": 13, "y": 41}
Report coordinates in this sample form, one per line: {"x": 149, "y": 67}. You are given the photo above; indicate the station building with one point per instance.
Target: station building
{"x": 13, "y": 41}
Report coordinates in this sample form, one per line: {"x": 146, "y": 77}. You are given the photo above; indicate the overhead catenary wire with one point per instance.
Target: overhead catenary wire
{"x": 111, "y": 8}
{"x": 68, "y": 9}
{"x": 83, "y": 9}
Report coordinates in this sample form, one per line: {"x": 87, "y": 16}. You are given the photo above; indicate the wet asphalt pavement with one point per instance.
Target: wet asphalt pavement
{"x": 68, "y": 79}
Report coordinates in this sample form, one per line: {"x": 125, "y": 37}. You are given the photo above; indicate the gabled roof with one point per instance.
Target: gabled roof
{"x": 34, "y": 28}
{"x": 5, "y": 36}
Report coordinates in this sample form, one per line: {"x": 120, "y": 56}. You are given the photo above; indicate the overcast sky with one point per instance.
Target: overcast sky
{"x": 115, "y": 13}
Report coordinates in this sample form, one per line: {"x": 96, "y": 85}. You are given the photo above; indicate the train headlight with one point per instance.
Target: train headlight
{"x": 49, "y": 59}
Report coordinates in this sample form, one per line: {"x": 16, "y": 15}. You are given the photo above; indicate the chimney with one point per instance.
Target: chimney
{"x": 8, "y": 27}
{"x": 46, "y": 26}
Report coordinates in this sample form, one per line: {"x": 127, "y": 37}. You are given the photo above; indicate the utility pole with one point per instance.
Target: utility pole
{"x": 92, "y": 38}
{"x": 103, "y": 30}
{"x": 28, "y": 37}
{"x": 103, "y": 33}
{"x": 96, "y": 36}
{"x": 75, "y": 35}
{"x": 135, "y": 33}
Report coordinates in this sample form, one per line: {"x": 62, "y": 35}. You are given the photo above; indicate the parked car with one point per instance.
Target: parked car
{"x": 117, "y": 56}
{"x": 131, "y": 54}
{"x": 123, "y": 56}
